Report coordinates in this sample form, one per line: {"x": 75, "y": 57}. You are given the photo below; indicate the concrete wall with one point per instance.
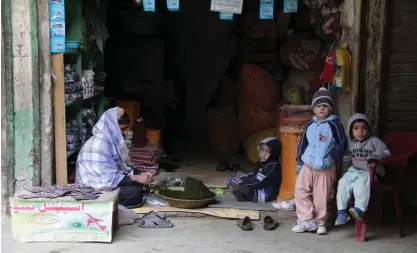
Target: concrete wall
{"x": 25, "y": 86}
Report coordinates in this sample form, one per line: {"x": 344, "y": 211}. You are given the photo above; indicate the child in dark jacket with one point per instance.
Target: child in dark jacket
{"x": 263, "y": 184}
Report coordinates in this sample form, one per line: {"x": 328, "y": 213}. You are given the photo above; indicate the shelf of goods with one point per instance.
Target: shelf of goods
{"x": 77, "y": 100}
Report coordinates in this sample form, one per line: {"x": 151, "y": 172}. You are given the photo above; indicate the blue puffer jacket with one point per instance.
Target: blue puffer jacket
{"x": 322, "y": 144}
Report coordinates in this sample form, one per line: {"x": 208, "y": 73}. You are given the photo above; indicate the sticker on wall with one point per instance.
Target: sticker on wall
{"x": 266, "y": 9}
{"x": 226, "y": 16}
{"x": 290, "y": 6}
{"x": 57, "y": 45}
{"x": 173, "y": 5}
{"x": 57, "y": 12}
{"x": 149, "y": 5}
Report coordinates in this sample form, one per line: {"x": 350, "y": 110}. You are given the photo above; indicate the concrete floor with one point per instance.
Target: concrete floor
{"x": 219, "y": 235}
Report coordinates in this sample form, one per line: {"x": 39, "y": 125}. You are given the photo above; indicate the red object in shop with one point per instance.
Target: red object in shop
{"x": 402, "y": 146}
{"x": 329, "y": 68}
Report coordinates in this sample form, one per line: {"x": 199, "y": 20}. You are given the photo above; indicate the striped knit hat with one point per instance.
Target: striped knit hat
{"x": 322, "y": 97}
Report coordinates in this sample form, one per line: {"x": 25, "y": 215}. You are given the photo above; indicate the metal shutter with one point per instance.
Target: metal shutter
{"x": 401, "y": 89}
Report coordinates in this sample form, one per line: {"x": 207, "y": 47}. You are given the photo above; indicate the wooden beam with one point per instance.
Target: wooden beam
{"x": 57, "y": 63}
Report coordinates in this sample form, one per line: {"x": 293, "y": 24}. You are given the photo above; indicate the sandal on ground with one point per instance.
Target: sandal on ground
{"x": 270, "y": 224}
{"x": 154, "y": 220}
{"x": 245, "y": 224}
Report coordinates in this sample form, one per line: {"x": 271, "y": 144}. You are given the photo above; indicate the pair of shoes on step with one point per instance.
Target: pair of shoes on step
{"x": 343, "y": 217}
{"x": 309, "y": 226}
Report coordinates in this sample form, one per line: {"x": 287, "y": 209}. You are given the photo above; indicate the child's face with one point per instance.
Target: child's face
{"x": 321, "y": 111}
{"x": 360, "y": 131}
{"x": 265, "y": 152}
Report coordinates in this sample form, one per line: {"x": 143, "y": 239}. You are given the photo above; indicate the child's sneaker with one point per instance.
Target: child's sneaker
{"x": 342, "y": 218}
{"x": 356, "y": 213}
{"x": 285, "y": 205}
{"x": 321, "y": 230}
{"x": 305, "y": 225}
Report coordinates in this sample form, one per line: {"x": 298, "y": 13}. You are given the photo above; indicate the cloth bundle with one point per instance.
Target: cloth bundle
{"x": 146, "y": 158}
{"x": 88, "y": 83}
{"x": 89, "y": 120}
{"x": 76, "y": 191}
{"x": 72, "y": 83}
{"x": 73, "y": 135}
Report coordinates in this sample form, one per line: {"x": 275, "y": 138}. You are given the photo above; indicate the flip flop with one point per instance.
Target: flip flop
{"x": 154, "y": 220}
{"x": 245, "y": 224}
{"x": 270, "y": 224}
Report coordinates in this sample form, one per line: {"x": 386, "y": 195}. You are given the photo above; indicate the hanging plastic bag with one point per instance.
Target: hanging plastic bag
{"x": 154, "y": 200}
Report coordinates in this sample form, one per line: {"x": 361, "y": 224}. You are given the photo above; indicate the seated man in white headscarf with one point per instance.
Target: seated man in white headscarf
{"x": 104, "y": 161}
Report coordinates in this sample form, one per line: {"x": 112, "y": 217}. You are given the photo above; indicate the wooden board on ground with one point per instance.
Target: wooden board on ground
{"x": 228, "y": 201}
{"x": 230, "y": 213}
{"x": 212, "y": 179}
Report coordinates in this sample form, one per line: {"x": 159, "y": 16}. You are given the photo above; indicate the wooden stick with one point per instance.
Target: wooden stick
{"x": 57, "y": 63}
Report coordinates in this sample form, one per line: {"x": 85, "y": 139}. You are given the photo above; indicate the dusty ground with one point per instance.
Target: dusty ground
{"x": 217, "y": 235}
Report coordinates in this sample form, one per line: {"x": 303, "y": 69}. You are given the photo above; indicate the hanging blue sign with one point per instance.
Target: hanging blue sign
{"x": 266, "y": 9}
{"x": 290, "y": 6}
{"x": 173, "y": 5}
{"x": 57, "y": 26}
{"x": 149, "y": 5}
{"x": 226, "y": 16}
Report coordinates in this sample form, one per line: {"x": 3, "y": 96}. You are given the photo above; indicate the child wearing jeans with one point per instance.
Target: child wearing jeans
{"x": 322, "y": 145}
{"x": 364, "y": 150}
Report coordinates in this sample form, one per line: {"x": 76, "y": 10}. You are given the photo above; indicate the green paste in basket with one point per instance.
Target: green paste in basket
{"x": 194, "y": 189}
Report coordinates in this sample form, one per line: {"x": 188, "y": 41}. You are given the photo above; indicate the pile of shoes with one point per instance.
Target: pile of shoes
{"x": 72, "y": 83}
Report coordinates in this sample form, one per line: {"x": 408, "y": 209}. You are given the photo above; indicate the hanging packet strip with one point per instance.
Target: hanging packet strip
{"x": 56, "y": 2}
{"x": 173, "y": 5}
{"x": 266, "y": 9}
{"x": 290, "y": 6}
{"x": 149, "y": 5}
{"x": 226, "y": 16}
{"x": 57, "y": 26}
{"x": 56, "y": 12}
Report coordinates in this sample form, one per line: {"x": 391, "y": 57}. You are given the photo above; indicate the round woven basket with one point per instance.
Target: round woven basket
{"x": 185, "y": 203}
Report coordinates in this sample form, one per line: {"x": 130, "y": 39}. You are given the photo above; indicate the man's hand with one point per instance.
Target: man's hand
{"x": 149, "y": 175}
{"x": 142, "y": 178}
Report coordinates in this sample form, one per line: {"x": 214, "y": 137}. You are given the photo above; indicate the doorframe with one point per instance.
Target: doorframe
{"x": 386, "y": 51}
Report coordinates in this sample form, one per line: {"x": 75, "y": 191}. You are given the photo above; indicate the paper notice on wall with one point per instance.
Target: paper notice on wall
{"x": 228, "y": 6}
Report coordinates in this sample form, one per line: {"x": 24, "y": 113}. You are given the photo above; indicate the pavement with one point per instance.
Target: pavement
{"x": 208, "y": 235}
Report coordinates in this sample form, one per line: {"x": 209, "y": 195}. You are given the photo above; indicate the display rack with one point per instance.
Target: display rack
{"x": 64, "y": 110}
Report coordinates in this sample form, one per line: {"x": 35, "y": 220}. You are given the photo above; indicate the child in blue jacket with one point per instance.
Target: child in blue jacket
{"x": 322, "y": 145}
